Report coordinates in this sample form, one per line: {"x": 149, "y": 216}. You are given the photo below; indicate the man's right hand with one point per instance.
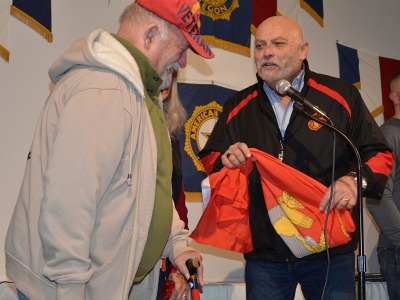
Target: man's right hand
{"x": 236, "y": 155}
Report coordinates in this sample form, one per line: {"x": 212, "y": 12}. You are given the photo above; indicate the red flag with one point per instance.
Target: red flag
{"x": 225, "y": 221}
{"x": 388, "y": 67}
{"x": 292, "y": 200}
{"x": 261, "y": 10}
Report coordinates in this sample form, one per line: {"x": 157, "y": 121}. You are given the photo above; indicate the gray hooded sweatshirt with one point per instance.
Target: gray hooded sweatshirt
{"x": 79, "y": 228}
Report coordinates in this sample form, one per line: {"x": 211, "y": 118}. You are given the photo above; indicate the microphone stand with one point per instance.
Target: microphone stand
{"x": 361, "y": 259}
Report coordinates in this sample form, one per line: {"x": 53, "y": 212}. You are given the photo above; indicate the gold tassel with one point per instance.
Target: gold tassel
{"x": 193, "y": 197}
{"x": 377, "y": 111}
{"x": 4, "y": 53}
{"x": 229, "y": 46}
{"x": 28, "y": 20}
{"x": 312, "y": 12}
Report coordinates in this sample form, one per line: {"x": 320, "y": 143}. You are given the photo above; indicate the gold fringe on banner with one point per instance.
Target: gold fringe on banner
{"x": 4, "y": 53}
{"x": 28, "y": 20}
{"x": 357, "y": 85}
{"x": 229, "y": 46}
{"x": 377, "y": 111}
{"x": 312, "y": 12}
{"x": 193, "y": 197}
{"x": 253, "y": 29}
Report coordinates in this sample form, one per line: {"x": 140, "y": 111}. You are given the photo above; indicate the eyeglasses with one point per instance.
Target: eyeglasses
{"x": 183, "y": 49}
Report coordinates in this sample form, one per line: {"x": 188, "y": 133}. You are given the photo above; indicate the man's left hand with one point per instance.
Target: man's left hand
{"x": 344, "y": 194}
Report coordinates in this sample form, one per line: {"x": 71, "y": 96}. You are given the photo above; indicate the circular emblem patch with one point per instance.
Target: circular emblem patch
{"x": 218, "y": 9}
{"x": 198, "y": 128}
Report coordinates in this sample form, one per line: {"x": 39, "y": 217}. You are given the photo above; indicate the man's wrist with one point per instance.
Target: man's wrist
{"x": 364, "y": 183}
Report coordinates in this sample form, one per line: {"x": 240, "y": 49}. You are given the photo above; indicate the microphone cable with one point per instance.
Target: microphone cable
{"x": 330, "y": 196}
{"x": 328, "y": 259}
{"x": 299, "y": 103}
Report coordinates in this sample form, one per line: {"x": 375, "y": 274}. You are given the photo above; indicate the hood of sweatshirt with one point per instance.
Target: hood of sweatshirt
{"x": 98, "y": 49}
{"x": 101, "y": 50}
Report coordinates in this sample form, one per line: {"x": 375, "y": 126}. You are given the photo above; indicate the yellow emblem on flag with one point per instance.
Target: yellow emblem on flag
{"x": 218, "y": 9}
{"x": 198, "y": 128}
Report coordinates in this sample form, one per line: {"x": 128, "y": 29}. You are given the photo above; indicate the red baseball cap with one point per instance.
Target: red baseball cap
{"x": 184, "y": 14}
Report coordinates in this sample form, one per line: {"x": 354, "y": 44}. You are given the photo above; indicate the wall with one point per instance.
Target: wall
{"x": 24, "y": 87}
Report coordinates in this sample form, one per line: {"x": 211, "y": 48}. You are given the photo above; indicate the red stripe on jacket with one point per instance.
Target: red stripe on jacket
{"x": 209, "y": 161}
{"x": 335, "y": 95}
{"x": 381, "y": 163}
{"x": 242, "y": 104}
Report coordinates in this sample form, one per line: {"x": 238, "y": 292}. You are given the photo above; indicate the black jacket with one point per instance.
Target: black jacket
{"x": 248, "y": 117}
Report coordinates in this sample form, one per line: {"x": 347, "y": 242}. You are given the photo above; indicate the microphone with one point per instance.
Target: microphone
{"x": 283, "y": 87}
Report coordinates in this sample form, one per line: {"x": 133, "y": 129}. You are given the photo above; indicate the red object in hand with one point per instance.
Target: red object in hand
{"x": 194, "y": 287}
{"x": 169, "y": 285}
{"x": 194, "y": 284}
{"x": 167, "y": 289}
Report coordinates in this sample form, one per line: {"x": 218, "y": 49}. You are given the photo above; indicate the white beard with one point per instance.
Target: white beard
{"x": 166, "y": 77}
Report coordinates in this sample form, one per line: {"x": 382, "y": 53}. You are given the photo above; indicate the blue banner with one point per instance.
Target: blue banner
{"x": 203, "y": 103}
{"x": 36, "y": 14}
{"x": 228, "y": 24}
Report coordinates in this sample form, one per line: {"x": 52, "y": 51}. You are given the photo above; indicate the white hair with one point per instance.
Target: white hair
{"x": 174, "y": 112}
{"x": 137, "y": 14}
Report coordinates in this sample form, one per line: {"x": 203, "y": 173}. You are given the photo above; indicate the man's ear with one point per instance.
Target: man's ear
{"x": 304, "y": 50}
{"x": 393, "y": 96}
{"x": 150, "y": 34}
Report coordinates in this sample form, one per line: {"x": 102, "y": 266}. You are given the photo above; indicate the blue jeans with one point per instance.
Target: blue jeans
{"x": 389, "y": 261}
{"x": 161, "y": 281}
{"x": 278, "y": 281}
{"x": 21, "y": 296}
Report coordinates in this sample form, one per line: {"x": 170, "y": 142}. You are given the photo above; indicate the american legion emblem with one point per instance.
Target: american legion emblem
{"x": 198, "y": 128}
{"x": 218, "y": 9}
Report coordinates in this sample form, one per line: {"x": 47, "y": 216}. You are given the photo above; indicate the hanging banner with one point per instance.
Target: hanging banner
{"x": 289, "y": 8}
{"x": 203, "y": 103}
{"x": 4, "y": 26}
{"x": 371, "y": 74}
{"x": 228, "y": 24}
{"x": 36, "y": 14}
{"x": 315, "y": 8}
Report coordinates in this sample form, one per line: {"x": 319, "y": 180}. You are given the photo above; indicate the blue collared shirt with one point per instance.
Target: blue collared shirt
{"x": 282, "y": 114}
